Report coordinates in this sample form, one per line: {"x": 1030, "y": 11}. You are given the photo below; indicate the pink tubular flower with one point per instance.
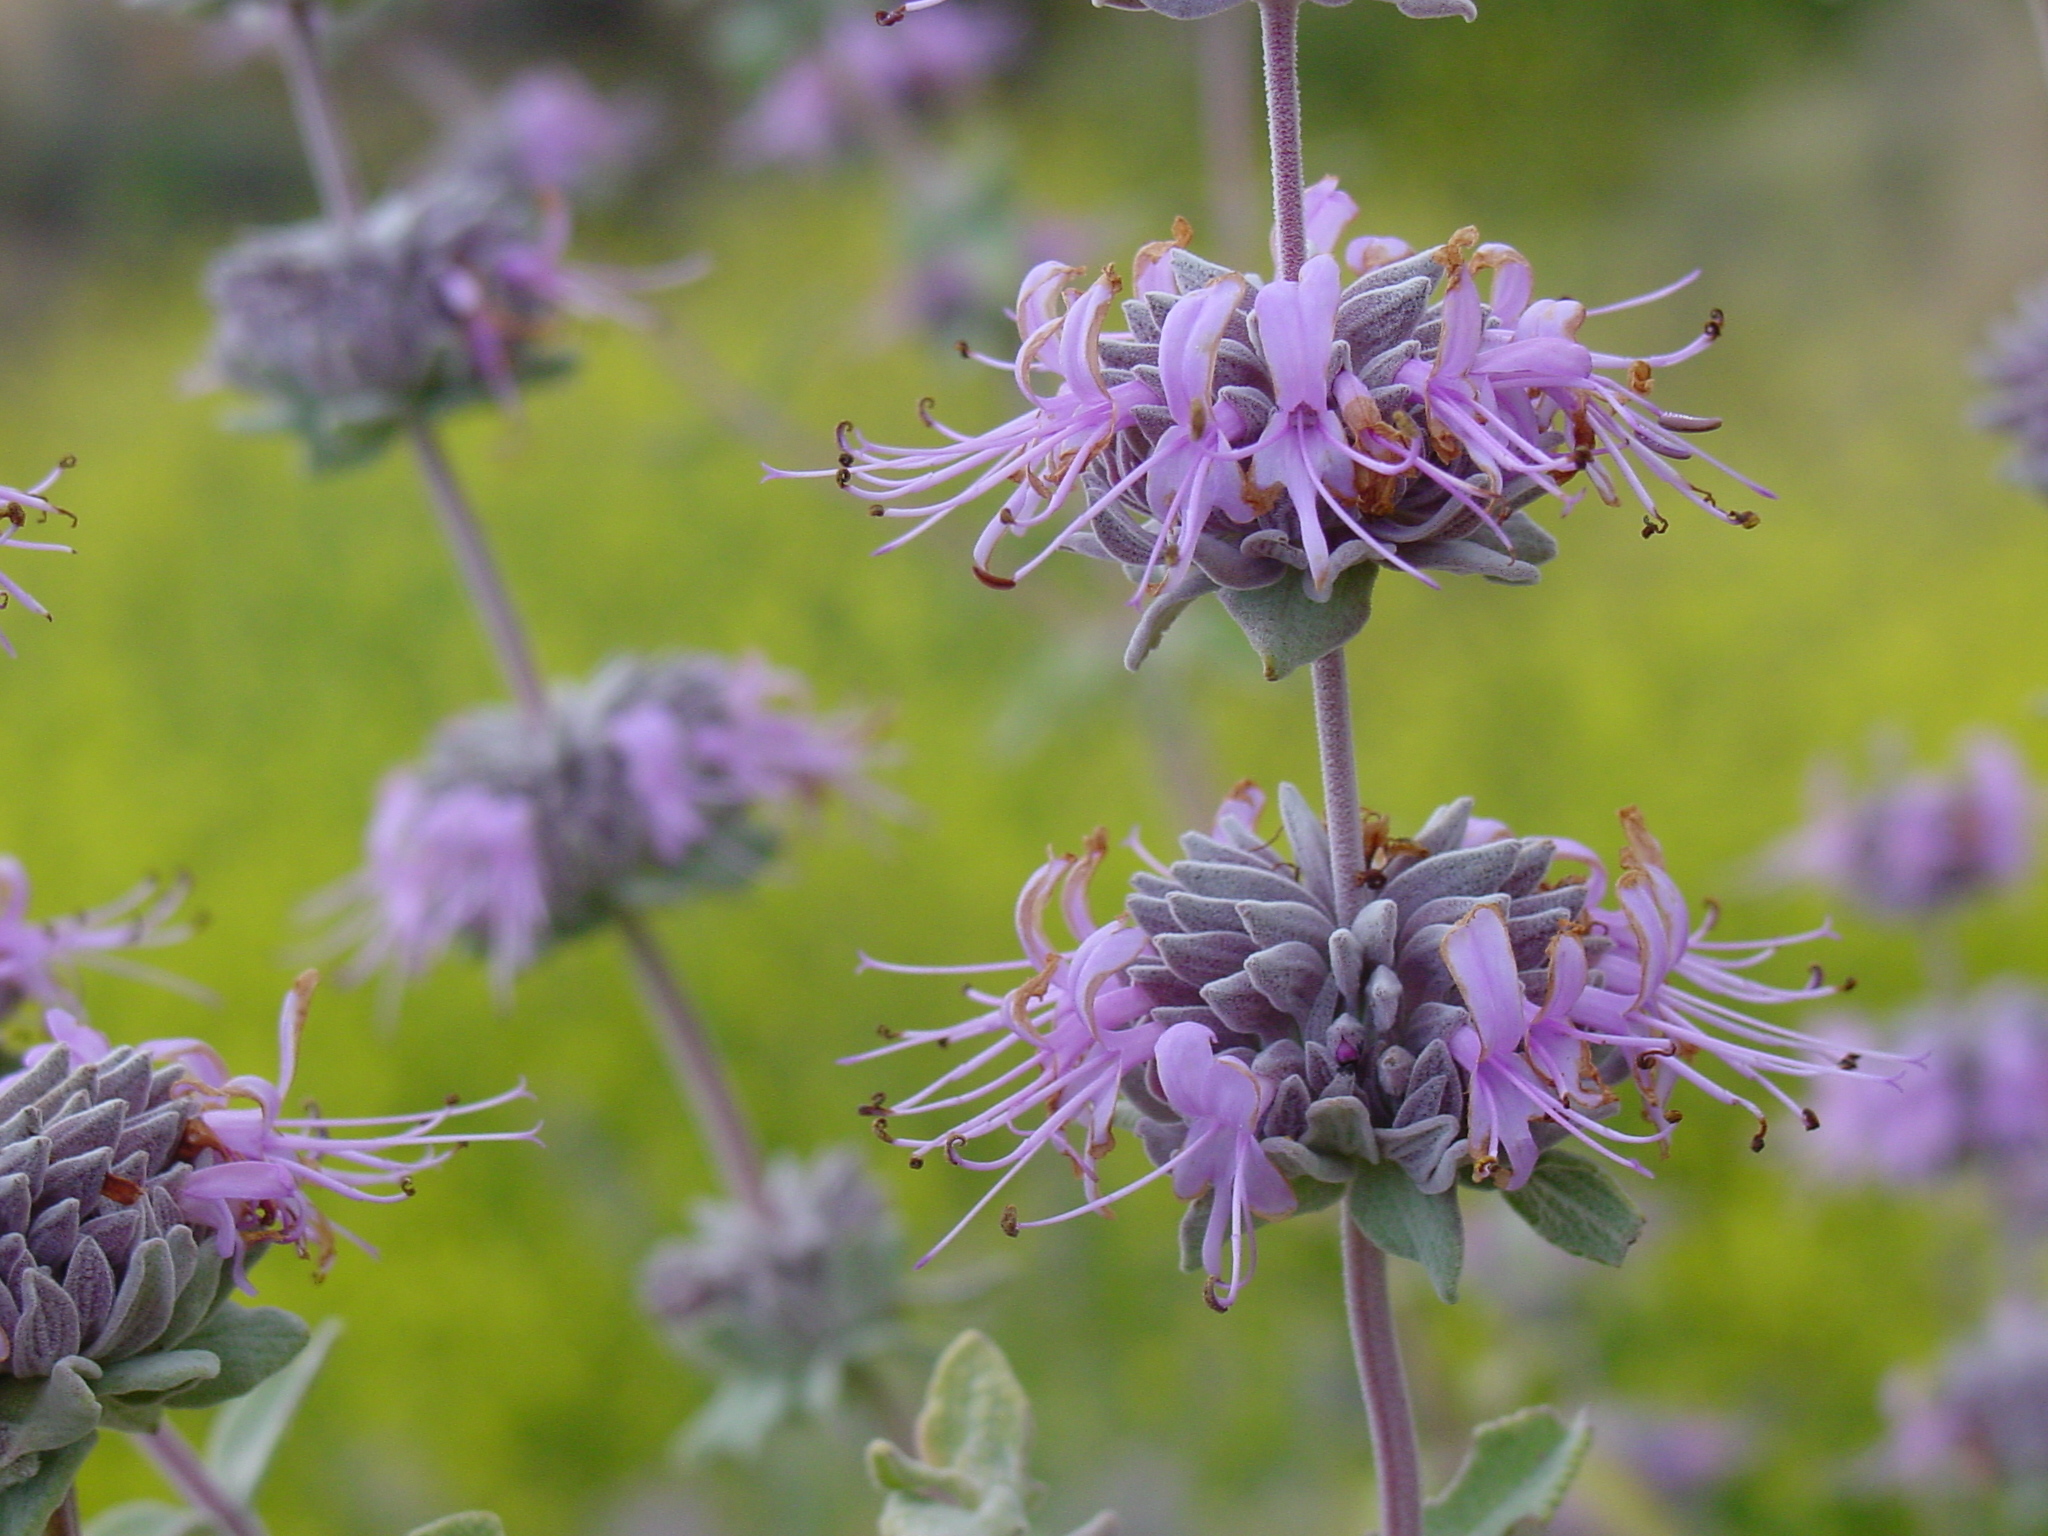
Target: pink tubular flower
{"x": 1078, "y": 1018}
{"x": 32, "y": 953}
{"x": 255, "y": 1168}
{"x": 1916, "y": 843}
{"x": 16, "y": 508}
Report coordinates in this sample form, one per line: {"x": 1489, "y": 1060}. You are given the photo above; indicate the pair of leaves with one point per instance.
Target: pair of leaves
{"x": 968, "y": 1477}
{"x": 1570, "y": 1203}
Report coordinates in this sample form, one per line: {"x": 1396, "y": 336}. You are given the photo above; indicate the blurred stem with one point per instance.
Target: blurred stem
{"x": 1332, "y": 683}
{"x": 1224, "y": 86}
{"x": 480, "y": 574}
{"x": 173, "y": 1456}
{"x": 2038, "y": 10}
{"x": 1381, "y": 1382}
{"x": 1280, "y": 27}
{"x": 65, "y": 1521}
{"x": 298, "y": 49}
{"x": 694, "y": 1061}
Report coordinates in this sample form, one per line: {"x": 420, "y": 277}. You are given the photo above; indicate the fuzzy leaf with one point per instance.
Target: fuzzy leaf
{"x": 976, "y": 1418}
{"x": 26, "y": 1506}
{"x": 144, "y": 1517}
{"x": 246, "y": 1431}
{"x": 471, "y": 1522}
{"x": 1518, "y": 1469}
{"x": 132, "y": 1393}
{"x": 1387, "y": 1207}
{"x": 1574, "y": 1205}
{"x": 254, "y": 1344}
{"x": 48, "y": 1415}
{"x": 1289, "y": 628}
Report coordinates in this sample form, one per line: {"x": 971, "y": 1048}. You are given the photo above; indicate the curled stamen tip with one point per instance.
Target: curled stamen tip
{"x": 1812, "y": 1121}
{"x": 1215, "y": 1301}
{"x": 1763, "y": 1130}
{"x": 988, "y": 578}
{"x": 890, "y": 18}
{"x": 1716, "y": 326}
{"x": 1008, "y": 1221}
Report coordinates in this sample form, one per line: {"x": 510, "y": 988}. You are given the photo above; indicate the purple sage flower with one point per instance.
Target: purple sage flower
{"x": 16, "y": 508}
{"x": 856, "y": 81}
{"x": 1913, "y": 844}
{"x": 252, "y": 1169}
{"x": 1476, "y": 1011}
{"x": 2016, "y": 367}
{"x": 35, "y": 953}
{"x": 656, "y": 778}
{"x": 1981, "y": 1416}
{"x": 550, "y": 132}
{"x": 1240, "y": 432}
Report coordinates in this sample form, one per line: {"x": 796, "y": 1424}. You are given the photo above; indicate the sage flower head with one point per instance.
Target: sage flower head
{"x": 2015, "y": 366}
{"x": 855, "y": 82}
{"x": 37, "y": 953}
{"x": 655, "y": 778}
{"x": 1913, "y": 843}
{"x": 1467, "y": 1009}
{"x": 1980, "y": 1418}
{"x": 780, "y": 1300}
{"x": 548, "y": 131}
{"x": 18, "y": 508}
{"x": 1273, "y": 441}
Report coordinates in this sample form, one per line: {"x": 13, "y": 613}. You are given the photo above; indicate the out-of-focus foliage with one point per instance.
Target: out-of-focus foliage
{"x": 239, "y": 652}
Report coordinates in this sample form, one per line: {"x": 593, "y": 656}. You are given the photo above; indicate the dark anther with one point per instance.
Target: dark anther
{"x": 990, "y": 579}
{"x": 69, "y": 461}
{"x": 1850, "y": 1062}
{"x": 1846, "y": 984}
{"x": 881, "y": 1125}
{"x": 846, "y": 461}
{"x": 1812, "y": 1120}
{"x": 878, "y": 1105}
{"x": 963, "y": 349}
{"x": 405, "y": 1184}
{"x": 1009, "y": 1221}
{"x": 12, "y": 513}
{"x": 887, "y": 1033}
{"x": 1673, "y": 1116}
{"x": 844, "y": 478}
{"x": 1209, "y": 1295}
{"x": 1655, "y": 523}
{"x": 890, "y": 18}
{"x": 917, "y": 1162}
{"x": 119, "y": 1190}
{"x": 452, "y": 1100}
{"x": 878, "y": 510}
{"x": 1763, "y": 1129}
{"x": 1716, "y": 324}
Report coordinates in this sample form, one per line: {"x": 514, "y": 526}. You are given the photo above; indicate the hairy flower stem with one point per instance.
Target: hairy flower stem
{"x": 173, "y": 1456}
{"x": 64, "y": 1521}
{"x": 691, "y": 1055}
{"x": 1331, "y": 682}
{"x": 694, "y": 1061}
{"x": 1280, "y": 27}
{"x": 1382, "y": 1384}
{"x": 480, "y": 574}
{"x": 298, "y": 48}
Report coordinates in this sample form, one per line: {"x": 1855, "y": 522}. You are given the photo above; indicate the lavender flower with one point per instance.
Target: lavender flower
{"x": 548, "y": 132}
{"x": 1916, "y": 843}
{"x": 1239, "y": 433}
{"x": 34, "y": 954}
{"x": 2016, "y": 368}
{"x": 1194, "y": 10}
{"x": 1472, "y": 1014}
{"x": 854, "y": 81}
{"x": 656, "y": 778}
{"x": 1983, "y": 1417}
{"x": 16, "y": 507}
{"x": 781, "y": 1302}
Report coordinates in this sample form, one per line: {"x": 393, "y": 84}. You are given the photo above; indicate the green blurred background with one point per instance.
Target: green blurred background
{"x": 240, "y": 651}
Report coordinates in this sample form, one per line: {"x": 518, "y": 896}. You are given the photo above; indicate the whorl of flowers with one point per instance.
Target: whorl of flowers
{"x": 548, "y": 132}
{"x": 1979, "y": 1104}
{"x": 1462, "y": 1012}
{"x": 1238, "y": 432}
{"x": 855, "y": 80}
{"x": 1982, "y": 1416}
{"x": 656, "y": 777}
{"x": 1915, "y": 843}
{"x": 2016, "y": 367}
{"x": 35, "y": 952}
{"x": 1195, "y": 10}
{"x": 17, "y": 507}
{"x": 780, "y": 1299}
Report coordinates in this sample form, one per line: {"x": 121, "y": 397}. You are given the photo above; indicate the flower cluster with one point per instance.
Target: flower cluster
{"x": 34, "y": 953}
{"x": 855, "y": 80}
{"x": 780, "y": 1299}
{"x": 1980, "y": 1104}
{"x": 655, "y": 778}
{"x": 16, "y": 508}
{"x": 2016, "y": 368}
{"x": 1456, "y": 1016}
{"x": 1983, "y": 1416}
{"x": 1916, "y": 843}
{"x": 548, "y": 132}
{"x": 1238, "y": 432}
{"x": 249, "y": 1169}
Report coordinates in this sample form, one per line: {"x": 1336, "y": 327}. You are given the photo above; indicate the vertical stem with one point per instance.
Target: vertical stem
{"x": 1279, "y": 22}
{"x": 2038, "y": 10}
{"x": 1341, "y": 811}
{"x": 1382, "y": 1384}
{"x": 298, "y": 47}
{"x": 183, "y": 1470}
{"x": 480, "y": 574}
{"x": 64, "y": 1521}
{"x": 694, "y": 1061}
{"x": 1224, "y": 87}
